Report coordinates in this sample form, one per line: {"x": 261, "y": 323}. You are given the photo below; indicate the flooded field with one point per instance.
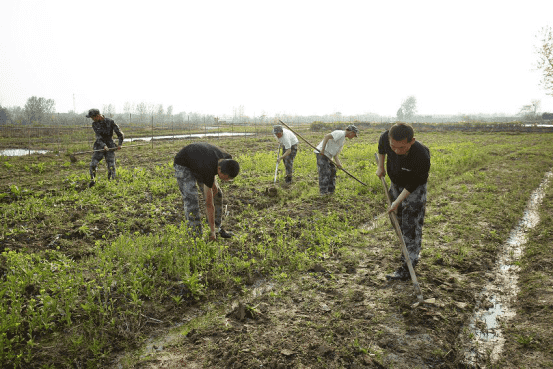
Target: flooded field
{"x": 20, "y": 152}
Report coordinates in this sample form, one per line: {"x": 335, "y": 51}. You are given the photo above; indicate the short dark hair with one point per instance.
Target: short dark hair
{"x": 229, "y": 167}
{"x": 402, "y": 131}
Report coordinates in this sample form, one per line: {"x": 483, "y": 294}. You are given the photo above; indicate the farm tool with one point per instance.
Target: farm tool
{"x": 276, "y": 169}
{"x": 395, "y": 224}
{"x": 272, "y": 190}
{"x": 333, "y": 163}
{"x": 74, "y": 159}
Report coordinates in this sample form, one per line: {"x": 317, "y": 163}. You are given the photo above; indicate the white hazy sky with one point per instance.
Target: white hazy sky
{"x": 293, "y": 57}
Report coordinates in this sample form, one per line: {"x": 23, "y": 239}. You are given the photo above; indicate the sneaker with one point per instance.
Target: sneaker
{"x": 225, "y": 234}
{"x": 402, "y": 274}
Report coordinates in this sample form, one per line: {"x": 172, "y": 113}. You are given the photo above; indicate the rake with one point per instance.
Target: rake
{"x": 74, "y": 159}
{"x": 333, "y": 163}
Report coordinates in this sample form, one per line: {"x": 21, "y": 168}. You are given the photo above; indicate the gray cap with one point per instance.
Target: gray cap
{"x": 353, "y": 128}
{"x": 93, "y": 113}
{"x": 277, "y": 129}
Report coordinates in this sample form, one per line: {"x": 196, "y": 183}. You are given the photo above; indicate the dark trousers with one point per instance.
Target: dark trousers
{"x": 327, "y": 175}
{"x": 410, "y": 215}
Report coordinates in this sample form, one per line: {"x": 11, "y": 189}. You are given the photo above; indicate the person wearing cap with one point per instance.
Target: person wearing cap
{"x": 289, "y": 143}
{"x": 199, "y": 164}
{"x": 327, "y": 150}
{"x": 103, "y": 128}
{"x": 408, "y": 165}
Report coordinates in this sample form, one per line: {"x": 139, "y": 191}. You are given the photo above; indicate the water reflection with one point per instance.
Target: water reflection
{"x": 21, "y": 152}
{"x": 191, "y": 135}
{"x": 495, "y": 303}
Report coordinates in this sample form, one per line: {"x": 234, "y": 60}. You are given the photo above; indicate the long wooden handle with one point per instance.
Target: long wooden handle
{"x": 278, "y": 157}
{"x": 307, "y": 142}
{"x": 109, "y": 149}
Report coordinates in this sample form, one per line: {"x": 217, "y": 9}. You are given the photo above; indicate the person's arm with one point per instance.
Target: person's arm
{"x": 402, "y": 196}
{"x": 119, "y": 134}
{"x": 337, "y": 158}
{"x": 325, "y": 140}
{"x": 210, "y": 208}
{"x": 286, "y": 153}
{"x": 380, "y": 170}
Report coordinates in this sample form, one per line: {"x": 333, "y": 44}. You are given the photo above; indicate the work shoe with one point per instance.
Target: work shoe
{"x": 225, "y": 234}
{"x": 402, "y": 274}
{"x": 288, "y": 180}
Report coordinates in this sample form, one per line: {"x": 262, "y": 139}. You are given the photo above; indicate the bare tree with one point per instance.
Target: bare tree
{"x": 160, "y": 113}
{"x": 239, "y": 112}
{"x": 5, "y": 115}
{"x": 17, "y": 113}
{"x": 399, "y": 114}
{"x": 545, "y": 58}
{"x": 151, "y": 108}
{"x": 108, "y": 110}
{"x": 37, "y": 108}
{"x": 142, "y": 111}
{"x": 128, "y": 108}
{"x": 409, "y": 107}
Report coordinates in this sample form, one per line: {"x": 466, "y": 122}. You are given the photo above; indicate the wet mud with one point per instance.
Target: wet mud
{"x": 496, "y": 302}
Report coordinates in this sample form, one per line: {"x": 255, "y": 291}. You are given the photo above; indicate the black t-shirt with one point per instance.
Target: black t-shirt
{"x": 202, "y": 159}
{"x": 407, "y": 171}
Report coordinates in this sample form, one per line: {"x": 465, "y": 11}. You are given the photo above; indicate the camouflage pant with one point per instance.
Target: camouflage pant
{"x": 327, "y": 175}
{"x": 188, "y": 186}
{"x": 110, "y": 162}
{"x": 289, "y": 161}
{"x": 410, "y": 214}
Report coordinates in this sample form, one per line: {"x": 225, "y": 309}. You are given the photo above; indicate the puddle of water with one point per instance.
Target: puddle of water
{"x": 21, "y": 152}
{"x": 193, "y": 135}
{"x": 494, "y": 304}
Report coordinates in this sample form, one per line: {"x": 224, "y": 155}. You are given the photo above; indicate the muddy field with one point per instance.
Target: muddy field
{"x": 333, "y": 310}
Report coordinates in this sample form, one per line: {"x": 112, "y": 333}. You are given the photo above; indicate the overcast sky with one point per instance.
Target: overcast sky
{"x": 293, "y": 57}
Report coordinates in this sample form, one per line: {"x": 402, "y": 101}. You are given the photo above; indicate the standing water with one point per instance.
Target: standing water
{"x": 20, "y": 152}
{"x": 495, "y": 303}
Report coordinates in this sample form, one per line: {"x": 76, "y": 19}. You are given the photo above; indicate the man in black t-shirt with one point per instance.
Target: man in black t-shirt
{"x": 407, "y": 165}
{"x": 200, "y": 163}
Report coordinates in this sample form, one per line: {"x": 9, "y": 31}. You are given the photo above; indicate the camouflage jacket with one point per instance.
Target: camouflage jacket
{"x": 104, "y": 133}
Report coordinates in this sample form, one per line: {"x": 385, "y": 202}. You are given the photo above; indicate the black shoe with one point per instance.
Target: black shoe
{"x": 402, "y": 274}
{"x": 92, "y": 183}
{"x": 225, "y": 234}
{"x": 288, "y": 180}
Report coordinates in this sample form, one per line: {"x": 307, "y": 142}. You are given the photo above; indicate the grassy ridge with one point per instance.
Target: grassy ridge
{"x": 88, "y": 272}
